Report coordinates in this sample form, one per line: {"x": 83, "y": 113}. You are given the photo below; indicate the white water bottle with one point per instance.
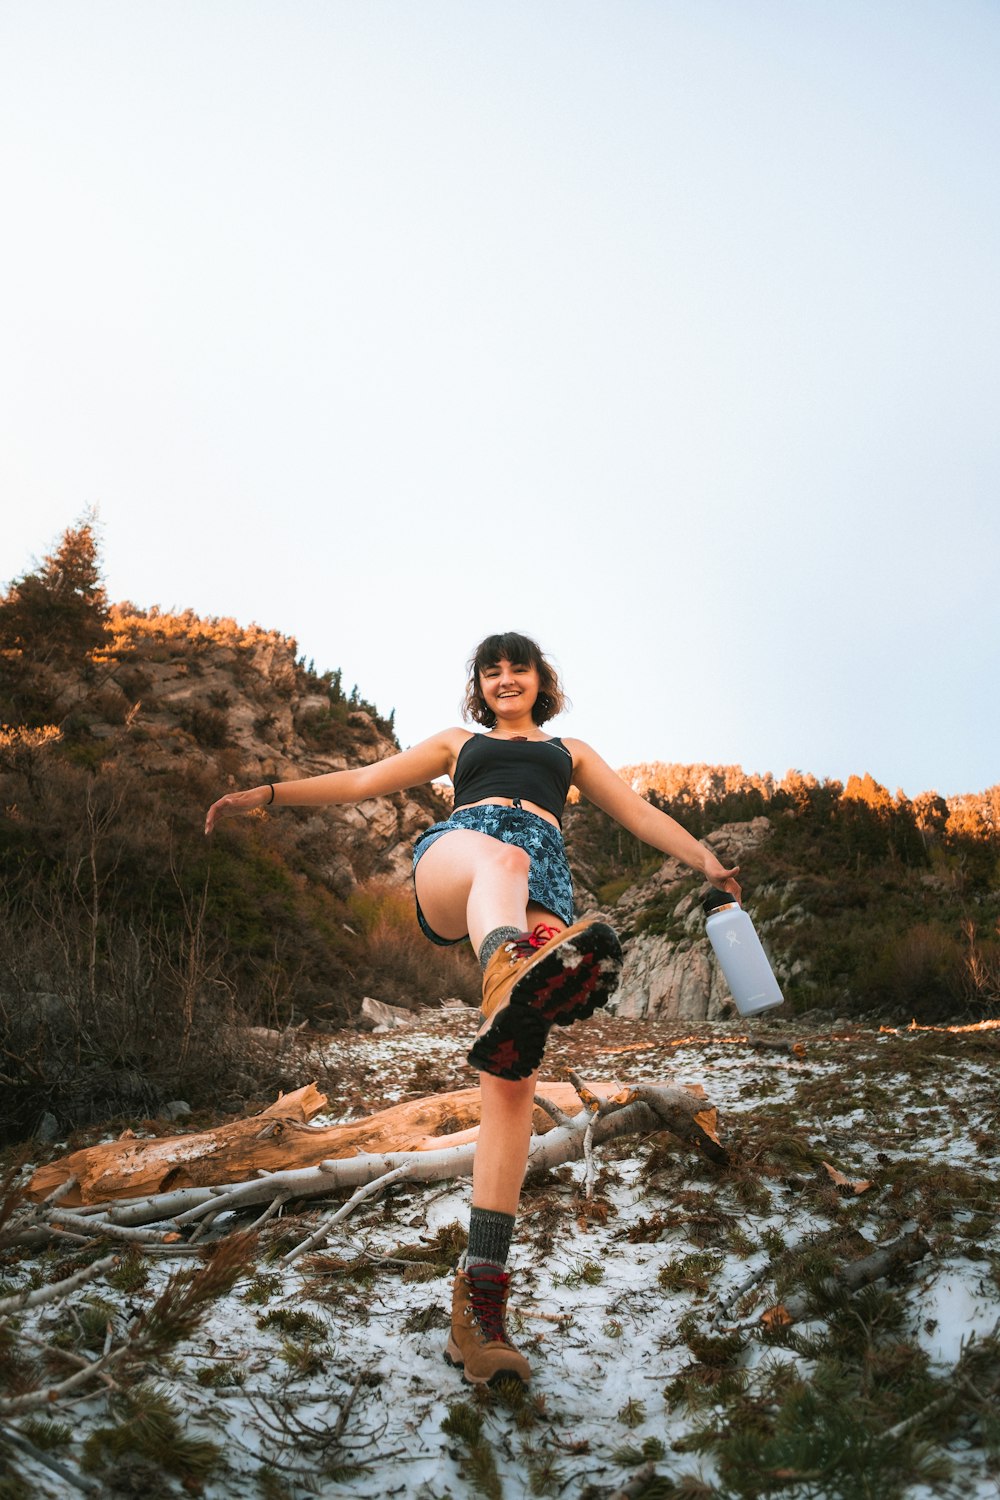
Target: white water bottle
{"x": 740, "y": 953}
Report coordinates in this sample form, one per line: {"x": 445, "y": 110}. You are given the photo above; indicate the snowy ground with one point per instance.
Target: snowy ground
{"x": 608, "y": 1336}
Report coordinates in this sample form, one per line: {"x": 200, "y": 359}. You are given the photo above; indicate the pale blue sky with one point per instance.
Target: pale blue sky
{"x": 667, "y": 332}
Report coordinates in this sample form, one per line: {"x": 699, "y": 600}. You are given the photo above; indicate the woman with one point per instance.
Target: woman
{"x": 496, "y": 872}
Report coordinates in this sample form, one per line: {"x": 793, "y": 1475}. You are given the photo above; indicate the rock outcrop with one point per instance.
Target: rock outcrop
{"x": 670, "y": 972}
{"x": 231, "y": 707}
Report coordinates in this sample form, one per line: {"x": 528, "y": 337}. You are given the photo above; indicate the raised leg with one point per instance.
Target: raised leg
{"x": 470, "y": 883}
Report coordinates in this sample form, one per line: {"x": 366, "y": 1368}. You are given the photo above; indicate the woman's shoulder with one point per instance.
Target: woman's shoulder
{"x": 456, "y": 738}
{"x": 450, "y": 743}
{"x": 584, "y": 754}
{"x": 455, "y": 734}
{"x": 560, "y": 744}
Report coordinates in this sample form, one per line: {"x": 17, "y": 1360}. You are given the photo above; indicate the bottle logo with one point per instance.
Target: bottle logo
{"x": 732, "y": 940}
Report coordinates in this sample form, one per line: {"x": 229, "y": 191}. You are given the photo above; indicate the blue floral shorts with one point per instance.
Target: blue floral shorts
{"x": 549, "y": 882}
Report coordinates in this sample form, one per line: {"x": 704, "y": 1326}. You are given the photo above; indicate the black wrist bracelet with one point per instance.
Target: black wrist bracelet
{"x": 271, "y": 785}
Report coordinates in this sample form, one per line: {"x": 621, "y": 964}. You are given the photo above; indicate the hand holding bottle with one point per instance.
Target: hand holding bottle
{"x": 720, "y": 877}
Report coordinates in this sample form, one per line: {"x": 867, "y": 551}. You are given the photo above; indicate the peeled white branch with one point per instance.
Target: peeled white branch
{"x": 96, "y": 1228}
{"x": 158, "y": 1206}
{"x": 15, "y": 1406}
{"x": 274, "y": 1207}
{"x": 368, "y": 1191}
{"x": 958, "y": 1378}
{"x": 78, "y": 1481}
{"x": 726, "y": 1307}
{"x": 21, "y": 1301}
{"x": 559, "y": 1116}
{"x": 588, "y": 1154}
{"x": 62, "y": 1191}
{"x": 77, "y": 1360}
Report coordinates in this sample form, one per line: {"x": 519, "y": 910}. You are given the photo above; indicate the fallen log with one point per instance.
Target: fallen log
{"x": 280, "y": 1140}
{"x": 601, "y": 1115}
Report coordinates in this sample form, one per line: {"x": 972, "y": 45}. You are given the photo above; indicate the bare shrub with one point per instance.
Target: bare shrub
{"x": 87, "y": 1036}
{"x": 209, "y": 726}
{"x": 922, "y": 970}
{"x": 23, "y": 750}
{"x": 164, "y": 1023}
{"x": 981, "y": 969}
{"x": 327, "y": 729}
{"x": 401, "y": 965}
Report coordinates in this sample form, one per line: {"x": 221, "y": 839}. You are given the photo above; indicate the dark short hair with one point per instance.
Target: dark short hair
{"x": 522, "y": 651}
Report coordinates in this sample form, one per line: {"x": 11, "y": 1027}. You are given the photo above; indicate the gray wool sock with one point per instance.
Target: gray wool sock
{"x": 489, "y": 1238}
{"x": 491, "y": 942}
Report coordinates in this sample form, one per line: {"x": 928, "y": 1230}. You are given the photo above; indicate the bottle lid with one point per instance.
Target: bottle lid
{"x": 715, "y": 899}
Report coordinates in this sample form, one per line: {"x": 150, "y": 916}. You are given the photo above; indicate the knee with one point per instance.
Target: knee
{"x": 507, "y": 1096}
{"x": 512, "y": 860}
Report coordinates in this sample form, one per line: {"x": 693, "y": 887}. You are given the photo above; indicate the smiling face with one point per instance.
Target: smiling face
{"x": 509, "y": 677}
{"x": 509, "y": 689}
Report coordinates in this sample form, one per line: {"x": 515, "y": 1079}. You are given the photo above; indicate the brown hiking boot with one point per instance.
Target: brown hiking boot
{"x": 478, "y": 1344}
{"x": 541, "y": 979}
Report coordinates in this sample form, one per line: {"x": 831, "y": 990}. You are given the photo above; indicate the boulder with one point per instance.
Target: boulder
{"x": 47, "y": 1131}
{"x": 376, "y": 1016}
{"x": 175, "y": 1109}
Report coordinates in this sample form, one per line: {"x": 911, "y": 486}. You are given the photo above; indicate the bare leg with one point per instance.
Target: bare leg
{"x": 470, "y": 883}
{"x": 502, "y": 1148}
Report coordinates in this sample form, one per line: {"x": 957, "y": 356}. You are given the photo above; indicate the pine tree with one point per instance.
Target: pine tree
{"x": 57, "y": 614}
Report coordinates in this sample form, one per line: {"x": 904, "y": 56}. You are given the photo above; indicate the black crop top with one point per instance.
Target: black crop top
{"x": 540, "y": 771}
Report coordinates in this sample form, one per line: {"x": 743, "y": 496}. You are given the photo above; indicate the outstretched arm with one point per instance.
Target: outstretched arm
{"x": 433, "y": 757}
{"x": 598, "y": 782}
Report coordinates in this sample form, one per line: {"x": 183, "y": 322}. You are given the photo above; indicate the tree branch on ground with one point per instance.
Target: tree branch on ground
{"x": 859, "y": 1273}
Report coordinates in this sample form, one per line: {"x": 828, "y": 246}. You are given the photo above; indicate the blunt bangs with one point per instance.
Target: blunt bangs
{"x": 518, "y": 649}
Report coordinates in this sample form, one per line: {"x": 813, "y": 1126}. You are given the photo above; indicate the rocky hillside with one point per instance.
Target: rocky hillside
{"x": 238, "y": 707}
{"x": 173, "y": 710}
{"x": 130, "y": 945}
{"x": 669, "y": 971}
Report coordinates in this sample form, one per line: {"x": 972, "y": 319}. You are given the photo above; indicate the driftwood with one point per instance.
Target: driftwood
{"x": 281, "y": 1139}
{"x": 172, "y": 1221}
